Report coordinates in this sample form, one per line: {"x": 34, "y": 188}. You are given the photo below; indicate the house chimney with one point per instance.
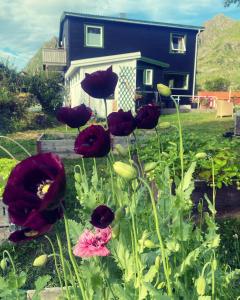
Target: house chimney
{"x": 123, "y": 15}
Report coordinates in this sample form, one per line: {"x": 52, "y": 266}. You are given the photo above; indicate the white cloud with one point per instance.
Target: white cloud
{"x": 27, "y": 24}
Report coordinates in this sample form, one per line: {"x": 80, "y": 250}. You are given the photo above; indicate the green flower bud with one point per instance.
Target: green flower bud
{"x": 40, "y": 260}
{"x": 124, "y": 170}
{"x": 201, "y": 155}
{"x": 158, "y": 262}
{"x": 164, "y": 125}
{"x": 164, "y": 90}
{"x": 200, "y": 285}
{"x": 4, "y": 264}
{"x": 115, "y": 231}
{"x": 119, "y": 213}
{"x": 150, "y": 166}
{"x": 149, "y": 244}
{"x": 121, "y": 150}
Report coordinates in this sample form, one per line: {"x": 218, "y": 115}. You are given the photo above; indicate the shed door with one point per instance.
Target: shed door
{"x": 126, "y": 89}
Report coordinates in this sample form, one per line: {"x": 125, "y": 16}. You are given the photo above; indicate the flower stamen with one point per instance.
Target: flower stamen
{"x": 43, "y": 188}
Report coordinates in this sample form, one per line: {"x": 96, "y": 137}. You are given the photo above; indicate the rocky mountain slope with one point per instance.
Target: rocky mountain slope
{"x": 219, "y": 51}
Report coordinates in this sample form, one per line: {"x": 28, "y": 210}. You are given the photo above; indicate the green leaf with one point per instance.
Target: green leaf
{"x": 41, "y": 282}
{"x": 149, "y": 276}
{"x": 75, "y": 229}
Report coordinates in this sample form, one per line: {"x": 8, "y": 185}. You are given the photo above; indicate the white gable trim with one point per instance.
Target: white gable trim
{"x": 100, "y": 60}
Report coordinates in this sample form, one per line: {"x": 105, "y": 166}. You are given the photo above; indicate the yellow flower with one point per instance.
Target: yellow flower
{"x": 164, "y": 90}
{"x": 124, "y": 170}
{"x": 40, "y": 260}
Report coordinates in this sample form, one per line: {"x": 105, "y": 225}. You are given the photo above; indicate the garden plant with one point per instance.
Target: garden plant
{"x": 135, "y": 235}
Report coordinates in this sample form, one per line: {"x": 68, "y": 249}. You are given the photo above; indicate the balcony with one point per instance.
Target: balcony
{"x": 54, "y": 57}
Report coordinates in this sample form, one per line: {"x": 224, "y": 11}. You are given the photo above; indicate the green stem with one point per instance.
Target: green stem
{"x": 181, "y": 150}
{"x": 72, "y": 258}
{"x": 14, "y": 269}
{"x": 9, "y": 153}
{"x": 19, "y": 145}
{"x": 63, "y": 265}
{"x": 55, "y": 261}
{"x": 157, "y": 226}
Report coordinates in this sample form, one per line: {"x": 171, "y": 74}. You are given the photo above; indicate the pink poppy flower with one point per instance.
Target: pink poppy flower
{"x": 91, "y": 244}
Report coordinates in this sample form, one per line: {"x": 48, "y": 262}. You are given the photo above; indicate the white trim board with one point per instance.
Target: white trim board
{"x": 100, "y": 60}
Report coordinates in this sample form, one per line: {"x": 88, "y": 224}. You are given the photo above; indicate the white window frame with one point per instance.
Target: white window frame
{"x": 177, "y": 50}
{"x": 101, "y": 36}
{"x": 145, "y": 77}
{"x": 185, "y": 88}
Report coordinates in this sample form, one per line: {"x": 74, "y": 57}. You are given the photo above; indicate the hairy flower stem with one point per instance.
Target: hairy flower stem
{"x": 105, "y": 105}
{"x": 73, "y": 261}
{"x": 157, "y": 226}
{"x": 15, "y": 142}
{"x": 159, "y": 143}
{"x": 181, "y": 150}
{"x": 55, "y": 261}
{"x": 5, "y": 252}
{"x": 9, "y": 153}
{"x": 63, "y": 265}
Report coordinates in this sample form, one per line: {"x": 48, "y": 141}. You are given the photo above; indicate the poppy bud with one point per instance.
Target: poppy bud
{"x": 124, "y": 170}
{"x": 149, "y": 244}
{"x": 115, "y": 231}
{"x": 201, "y": 155}
{"x": 150, "y": 166}
{"x": 40, "y": 260}
{"x": 164, "y": 125}
{"x": 157, "y": 262}
{"x": 164, "y": 90}
{"x": 120, "y": 212}
{"x": 4, "y": 264}
{"x": 121, "y": 150}
{"x": 200, "y": 285}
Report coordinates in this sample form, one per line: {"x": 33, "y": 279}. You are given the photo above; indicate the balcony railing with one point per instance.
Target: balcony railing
{"x": 54, "y": 57}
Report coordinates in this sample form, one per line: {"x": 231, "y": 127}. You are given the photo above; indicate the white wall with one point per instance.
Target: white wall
{"x": 78, "y": 96}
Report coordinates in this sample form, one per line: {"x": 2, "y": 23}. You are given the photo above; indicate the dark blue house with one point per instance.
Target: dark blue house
{"x": 168, "y": 52}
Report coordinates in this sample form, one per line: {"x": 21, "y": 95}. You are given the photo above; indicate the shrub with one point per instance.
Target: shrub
{"x": 48, "y": 89}
{"x": 217, "y": 84}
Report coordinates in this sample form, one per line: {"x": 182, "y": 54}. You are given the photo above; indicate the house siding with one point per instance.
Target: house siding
{"x": 151, "y": 41}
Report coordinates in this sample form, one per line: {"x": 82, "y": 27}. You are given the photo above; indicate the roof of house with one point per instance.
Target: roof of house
{"x": 126, "y": 20}
{"x": 109, "y": 59}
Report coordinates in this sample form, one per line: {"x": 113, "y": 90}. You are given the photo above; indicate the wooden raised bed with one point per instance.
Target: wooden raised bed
{"x": 60, "y": 143}
{"x": 227, "y": 200}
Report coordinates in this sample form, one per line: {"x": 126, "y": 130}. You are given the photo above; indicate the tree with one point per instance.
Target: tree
{"x": 227, "y": 3}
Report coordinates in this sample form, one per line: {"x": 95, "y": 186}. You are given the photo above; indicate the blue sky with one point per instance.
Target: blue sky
{"x": 26, "y": 24}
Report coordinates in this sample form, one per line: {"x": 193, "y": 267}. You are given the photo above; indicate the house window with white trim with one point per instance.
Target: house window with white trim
{"x": 177, "y": 43}
{"x": 148, "y": 77}
{"x": 177, "y": 81}
{"x": 93, "y": 36}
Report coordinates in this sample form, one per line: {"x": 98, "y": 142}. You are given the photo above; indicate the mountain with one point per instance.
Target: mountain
{"x": 219, "y": 51}
{"x": 35, "y": 63}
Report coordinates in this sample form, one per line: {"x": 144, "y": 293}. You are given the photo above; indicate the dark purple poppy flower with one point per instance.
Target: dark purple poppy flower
{"x": 74, "y": 117}
{"x": 121, "y": 123}
{"x": 34, "y": 193}
{"x": 147, "y": 116}
{"x": 100, "y": 84}
{"x": 94, "y": 141}
{"x": 102, "y": 217}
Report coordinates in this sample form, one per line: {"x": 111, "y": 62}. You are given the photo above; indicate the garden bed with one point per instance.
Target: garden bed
{"x": 59, "y": 143}
{"x": 227, "y": 198}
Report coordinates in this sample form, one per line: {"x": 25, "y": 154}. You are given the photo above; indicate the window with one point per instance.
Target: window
{"x": 177, "y": 81}
{"x": 178, "y": 43}
{"x": 93, "y": 36}
{"x": 148, "y": 77}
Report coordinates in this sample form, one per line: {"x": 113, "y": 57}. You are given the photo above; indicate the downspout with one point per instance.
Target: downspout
{"x": 195, "y": 65}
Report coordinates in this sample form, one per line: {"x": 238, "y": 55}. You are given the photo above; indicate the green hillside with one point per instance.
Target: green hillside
{"x": 35, "y": 63}
{"x": 219, "y": 51}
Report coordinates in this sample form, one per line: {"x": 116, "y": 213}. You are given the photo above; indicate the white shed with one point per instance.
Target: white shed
{"x": 123, "y": 64}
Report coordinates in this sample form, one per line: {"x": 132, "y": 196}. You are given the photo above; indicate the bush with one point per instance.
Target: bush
{"x": 13, "y": 108}
{"x": 217, "y": 84}
{"x": 48, "y": 89}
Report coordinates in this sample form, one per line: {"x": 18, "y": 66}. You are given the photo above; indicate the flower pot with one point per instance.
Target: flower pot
{"x": 227, "y": 198}
{"x": 61, "y": 144}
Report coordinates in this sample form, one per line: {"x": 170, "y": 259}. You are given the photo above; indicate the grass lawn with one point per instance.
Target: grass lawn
{"x": 198, "y": 125}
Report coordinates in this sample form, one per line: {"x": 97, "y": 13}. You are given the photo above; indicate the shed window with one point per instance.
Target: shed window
{"x": 178, "y": 43}
{"x": 148, "y": 77}
{"x": 93, "y": 36}
{"x": 177, "y": 81}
